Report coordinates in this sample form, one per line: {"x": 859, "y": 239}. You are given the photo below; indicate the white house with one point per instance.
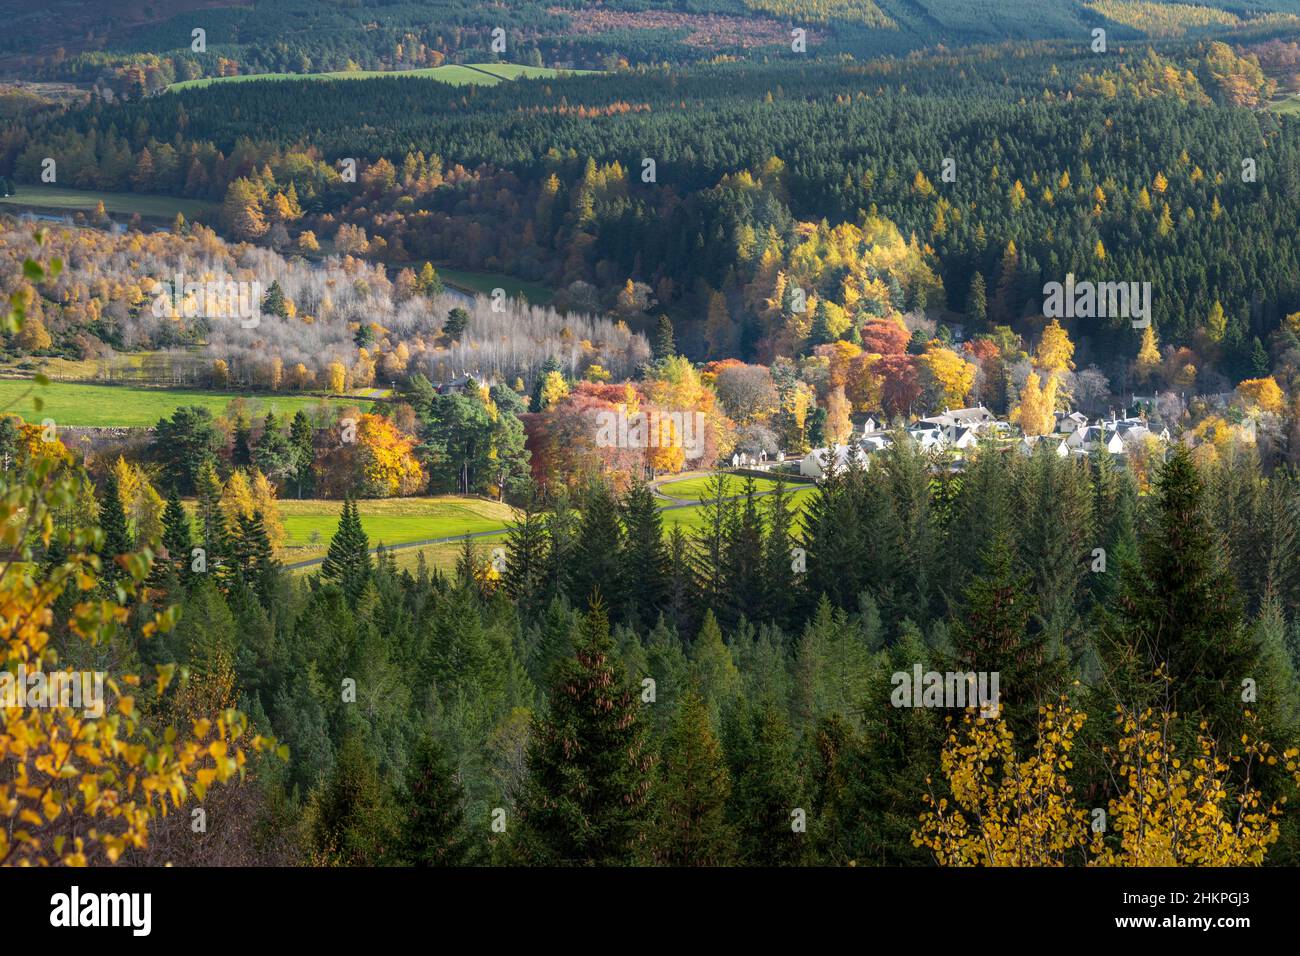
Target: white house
{"x": 977, "y": 418}
{"x": 815, "y": 463}
{"x": 960, "y": 437}
{"x": 1029, "y": 444}
{"x": 1072, "y": 422}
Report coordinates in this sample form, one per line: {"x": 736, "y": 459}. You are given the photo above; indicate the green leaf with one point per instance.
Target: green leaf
{"x": 32, "y": 270}
{"x": 41, "y": 379}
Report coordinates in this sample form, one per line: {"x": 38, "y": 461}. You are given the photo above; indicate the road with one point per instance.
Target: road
{"x": 453, "y": 539}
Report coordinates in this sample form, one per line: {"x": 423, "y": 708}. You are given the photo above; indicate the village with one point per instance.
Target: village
{"x": 954, "y": 432}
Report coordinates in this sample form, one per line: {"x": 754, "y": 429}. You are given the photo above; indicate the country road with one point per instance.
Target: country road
{"x": 677, "y": 503}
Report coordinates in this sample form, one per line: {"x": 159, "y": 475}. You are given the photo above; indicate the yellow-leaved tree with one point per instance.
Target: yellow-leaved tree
{"x": 81, "y": 784}
{"x": 84, "y": 769}
{"x": 952, "y": 375}
{"x": 1035, "y": 412}
{"x": 1055, "y": 352}
{"x": 1170, "y": 809}
{"x": 1262, "y": 393}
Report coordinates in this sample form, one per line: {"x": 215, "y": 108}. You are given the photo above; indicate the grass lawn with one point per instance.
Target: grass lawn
{"x": 80, "y": 403}
{"x": 486, "y": 74}
{"x": 696, "y": 488}
{"x": 57, "y": 199}
{"x": 311, "y": 523}
{"x": 692, "y": 519}
{"x": 1289, "y": 105}
{"x": 485, "y": 282}
{"x": 444, "y": 556}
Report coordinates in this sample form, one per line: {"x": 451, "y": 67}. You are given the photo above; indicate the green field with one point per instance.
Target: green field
{"x": 309, "y": 525}
{"x": 695, "y": 489}
{"x": 391, "y": 522}
{"x": 486, "y": 74}
{"x": 125, "y": 204}
{"x": 692, "y": 518}
{"x": 78, "y": 403}
{"x": 485, "y": 282}
{"x": 1290, "y": 105}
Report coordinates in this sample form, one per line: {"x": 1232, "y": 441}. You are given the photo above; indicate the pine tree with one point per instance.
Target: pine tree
{"x": 664, "y": 346}
{"x": 594, "y": 560}
{"x": 1179, "y": 612}
{"x": 586, "y": 797}
{"x": 178, "y": 537}
{"x": 300, "y": 436}
{"x": 456, "y": 324}
{"x": 690, "y": 796}
{"x": 117, "y": 539}
{"x": 430, "y": 811}
{"x": 994, "y": 635}
{"x": 765, "y": 790}
{"x": 347, "y": 563}
{"x": 526, "y": 557}
{"x": 644, "y": 558}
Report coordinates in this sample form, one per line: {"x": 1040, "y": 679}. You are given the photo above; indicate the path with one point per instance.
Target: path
{"x": 455, "y": 538}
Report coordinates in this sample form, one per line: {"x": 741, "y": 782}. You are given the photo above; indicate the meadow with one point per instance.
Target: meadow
{"x": 103, "y": 406}
{"x": 485, "y": 282}
{"x": 310, "y": 523}
{"x": 57, "y": 199}
{"x": 457, "y": 74}
{"x": 399, "y": 523}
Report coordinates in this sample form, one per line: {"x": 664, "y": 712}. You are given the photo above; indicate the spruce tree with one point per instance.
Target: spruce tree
{"x": 594, "y": 560}
{"x": 743, "y": 560}
{"x": 253, "y": 558}
{"x": 977, "y": 302}
{"x": 1179, "y": 612}
{"x": 664, "y": 346}
{"x": 300, "y": 436}
{"x": 117, "y": 538}
{"x": 430, "y": 811}
{"x": 350, "y": 816}
{"x": 178, "y": 537}
{"x": 682, "y": 602}
{"x": 644, "y": 558}
{"x": 347, "y": 563}
{"x": 995, "y": 635}
{"x": 212, "y": 518}
{"x": 525, "y": 573}
{"x": 586, "y": 797}
{"x": 779, "y": 599}
{"x": 765, "y": 789}
{"x": 690, "y": 795}
{"x": 712, "y": 668}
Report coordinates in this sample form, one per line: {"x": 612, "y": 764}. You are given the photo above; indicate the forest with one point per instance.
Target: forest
{"x": 916, "y": 567}
{"x": 720, "y": 689}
